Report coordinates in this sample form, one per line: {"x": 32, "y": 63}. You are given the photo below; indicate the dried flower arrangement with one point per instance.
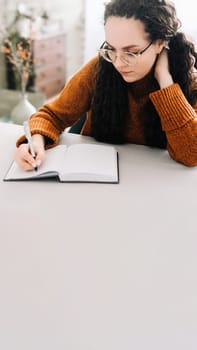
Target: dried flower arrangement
{"x": 18, "y": 53}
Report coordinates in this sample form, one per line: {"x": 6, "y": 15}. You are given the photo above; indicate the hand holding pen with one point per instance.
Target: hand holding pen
{"x": 30, "y": 155}
{"x": 30, "y": 141}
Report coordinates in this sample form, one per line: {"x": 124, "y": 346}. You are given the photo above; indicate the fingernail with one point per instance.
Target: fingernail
{"x": 38, "y": 163}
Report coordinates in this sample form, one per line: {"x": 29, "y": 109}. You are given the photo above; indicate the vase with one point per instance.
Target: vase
{"x": 22, "y": 111}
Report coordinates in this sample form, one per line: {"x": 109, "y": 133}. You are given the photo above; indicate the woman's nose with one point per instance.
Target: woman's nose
{"x": 118, "y": 62}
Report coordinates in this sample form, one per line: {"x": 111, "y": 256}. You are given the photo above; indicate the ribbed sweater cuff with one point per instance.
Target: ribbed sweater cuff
{"x": 42, "y": 127}
{"x": 173, "y": 108}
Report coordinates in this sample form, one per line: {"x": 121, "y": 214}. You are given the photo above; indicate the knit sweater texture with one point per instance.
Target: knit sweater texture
{"x": 178, "y": 117}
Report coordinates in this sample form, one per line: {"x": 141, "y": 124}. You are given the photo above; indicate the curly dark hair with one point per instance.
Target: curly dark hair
{"x": 110, "y": 104}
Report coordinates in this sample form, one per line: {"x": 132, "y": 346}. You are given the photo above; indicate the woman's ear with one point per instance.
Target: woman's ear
{"x": 160, "y": 44}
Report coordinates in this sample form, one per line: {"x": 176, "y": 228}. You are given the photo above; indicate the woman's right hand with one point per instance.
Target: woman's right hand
{"x": 24, "y": 158}
{"x": 162, "y": 71}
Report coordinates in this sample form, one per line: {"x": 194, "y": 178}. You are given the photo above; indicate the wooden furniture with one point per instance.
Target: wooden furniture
{"x": 97, "y": 266}
{"x": 49, "y": 67}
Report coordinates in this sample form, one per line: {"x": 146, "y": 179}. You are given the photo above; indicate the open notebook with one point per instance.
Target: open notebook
{"x": 75, "y": 163}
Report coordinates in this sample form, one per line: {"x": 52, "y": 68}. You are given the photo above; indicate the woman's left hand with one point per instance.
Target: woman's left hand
{"x": 162, "y": 72}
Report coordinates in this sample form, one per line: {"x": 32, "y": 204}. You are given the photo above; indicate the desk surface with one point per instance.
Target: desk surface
{"x": 99, "y": 266}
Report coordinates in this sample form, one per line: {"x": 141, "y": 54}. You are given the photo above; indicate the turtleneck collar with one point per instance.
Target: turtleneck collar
{"x": 144, "y": 86}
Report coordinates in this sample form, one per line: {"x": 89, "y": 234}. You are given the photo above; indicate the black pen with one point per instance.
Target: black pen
{"x": 29, "y": 139}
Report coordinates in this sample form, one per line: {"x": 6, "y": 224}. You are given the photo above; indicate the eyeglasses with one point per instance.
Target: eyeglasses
{"x": 127, "y": 57}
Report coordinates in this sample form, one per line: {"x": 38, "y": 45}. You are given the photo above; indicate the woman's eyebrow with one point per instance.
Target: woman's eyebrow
{"x": 125, "y": 47}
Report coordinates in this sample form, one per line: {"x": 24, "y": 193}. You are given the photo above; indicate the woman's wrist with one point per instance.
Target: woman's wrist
{"x": 38, "y": 139}
{"x": 165, "y": 80}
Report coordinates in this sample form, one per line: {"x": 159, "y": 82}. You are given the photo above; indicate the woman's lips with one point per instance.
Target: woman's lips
{"x": 126, "y": 73}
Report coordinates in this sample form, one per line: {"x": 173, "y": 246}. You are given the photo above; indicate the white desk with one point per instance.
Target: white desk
{"x": 97, "y": 266}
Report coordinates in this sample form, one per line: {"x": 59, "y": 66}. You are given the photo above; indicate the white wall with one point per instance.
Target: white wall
{"x": 187, "y": 14}
{"x": 94, "y": 32}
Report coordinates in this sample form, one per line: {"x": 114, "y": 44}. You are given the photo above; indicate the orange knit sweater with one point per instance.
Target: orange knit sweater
{"x": 178, "y": 117}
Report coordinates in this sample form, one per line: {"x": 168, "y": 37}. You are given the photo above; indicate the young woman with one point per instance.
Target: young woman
{"x": 142, "y": 87}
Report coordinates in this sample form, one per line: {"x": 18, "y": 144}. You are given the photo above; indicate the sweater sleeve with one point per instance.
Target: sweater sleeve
{"x": 74, "y": 100}
{"x": 179, "y": 122}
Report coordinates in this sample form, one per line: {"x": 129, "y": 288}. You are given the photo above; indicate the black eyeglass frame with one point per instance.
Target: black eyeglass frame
{"x": 102, "y": 51}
